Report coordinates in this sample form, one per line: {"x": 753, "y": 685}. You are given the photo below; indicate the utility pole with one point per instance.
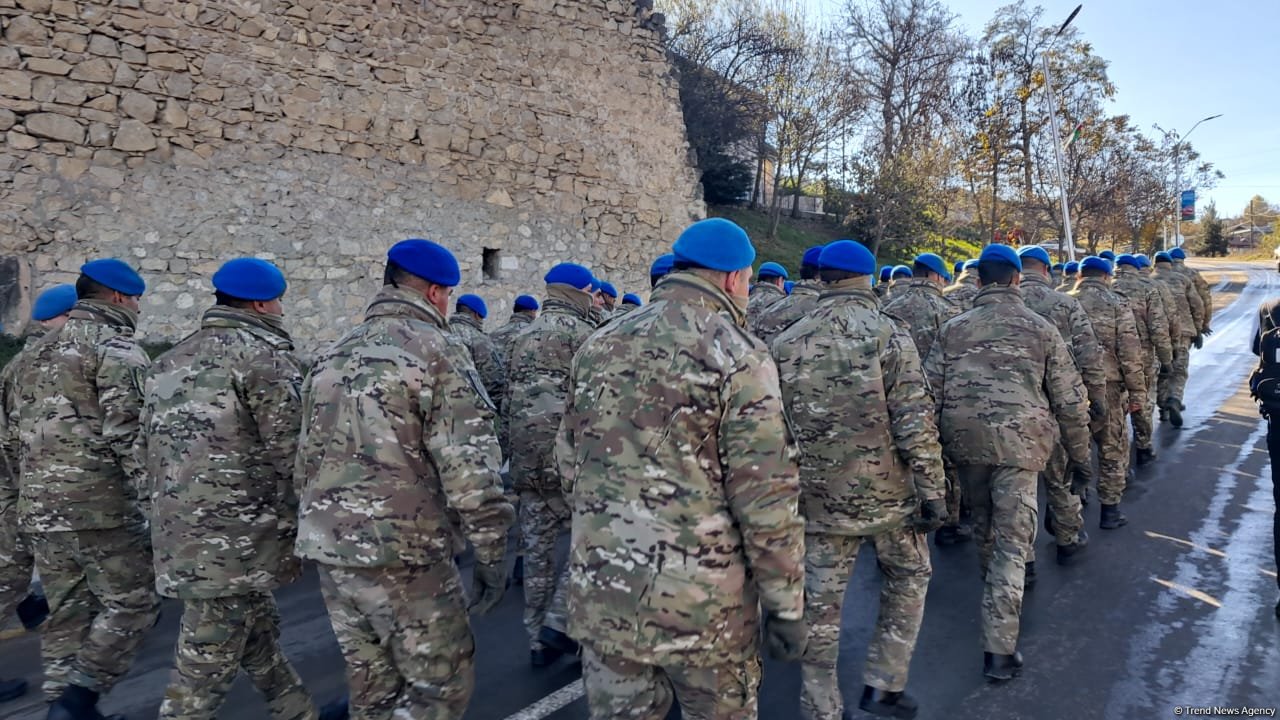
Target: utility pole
{"x": 1177, "y": 190}
{"x": 1050, "y": 100}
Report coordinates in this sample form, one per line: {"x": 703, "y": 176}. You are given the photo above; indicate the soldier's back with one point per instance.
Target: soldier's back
{"x": 922, "y": 307}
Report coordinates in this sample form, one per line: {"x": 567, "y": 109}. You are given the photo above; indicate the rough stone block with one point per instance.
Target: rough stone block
{"x": 55, "y": 127}
{"x": 138, "y": 106}
{"x": 134, "y": 136}
{"x": 15, "y": 84}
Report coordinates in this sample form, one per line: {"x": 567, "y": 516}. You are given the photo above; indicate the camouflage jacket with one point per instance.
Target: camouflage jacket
{"x": 920, "y": 306}
{"x": 505, "y": 337}
{"x": 219, "y": 434}
{"x": 76, "y": 418}
{"x": 1068, "y": 284}
{"x": 1170, "y": 306}
{"x": 10, "y": 446}
{"x": 397, "y": 453}
{"x": 778, "y": 316}
{"x": 683, "y": 482}
{"x": 1202, "y": 289}
{"x": 1005, "y": 386}
{"x": 1148, "y": 314}
{"x": 484, "y": 355}
{"x": 882, "y": 290}
{"x": 1072, "y": 322}
{"x": 1190, "y": 307}
{"x": 539, "y": 372}
{"x": 763, "y": 295}
{"x": 1113, "y": 323}
{"x": 963, "y": 292}
{"x": 858, "y": 402}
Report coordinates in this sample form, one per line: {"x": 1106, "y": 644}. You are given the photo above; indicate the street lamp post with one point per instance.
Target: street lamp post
{"x": 1177, "y": 179}
{"x": 1057, "y": 136}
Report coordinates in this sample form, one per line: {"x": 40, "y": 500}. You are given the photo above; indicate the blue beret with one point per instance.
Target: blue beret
{"x": 970, "y": 264}
{"x": 1107, "y": 255}
{"x": 526, "y": 302}
{"x": 53, "y": 302}
{"x": 902, "y": 271}
{"x": 811, "y": 256}
{"x": 608, "y": 289}
{"x": 934, "y": 263}
{"x": 474, "y": 303}
{"x": 1130, "y": 260}
{"x": 595, "y": 284}
{"x": 1096, "y": 263}
{"x": 1071, "y": 268}
{"x": 957, "y": 267}
{"x": 1164, "y": 257}
{"x": 1035, "y": 252}
{"x": 249, "y": 279}
{"x": 849, "y": 256}
{"x": 1143, "y": 260}
{"x": 662, "y": 266}
{"x": 886, "y": 272}
{"x": 1178, "y": 254}
{"x": 427, "y": 260}
{"x": 788, "y": 286}
{"x": 570, "y": 274}
{"x": 633, "y": 299}
{"x": 997, "y": 254}
{"x": 772, "y": 270}
{"x": 715, "y": 244}
{"x": 114, "y": 274}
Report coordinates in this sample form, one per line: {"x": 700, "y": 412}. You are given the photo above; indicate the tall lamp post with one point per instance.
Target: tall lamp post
{"x": 1177, "y": 179}
{"x": 1057, "y": 136}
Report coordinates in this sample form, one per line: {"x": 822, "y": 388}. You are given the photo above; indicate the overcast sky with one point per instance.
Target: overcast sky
{"x": 1175, "y": 62}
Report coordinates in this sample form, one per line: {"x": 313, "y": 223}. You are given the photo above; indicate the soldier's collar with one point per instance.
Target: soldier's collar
{"x": 765, "y": 287}
{"x": 1036, "y": 278}
{"x": 858, "y": 288}
{"x": 465, "y": 319}
{"x": 565, "y": 297}
{"x": 997, "y": 294}
{"x": 807, "y": 287}
{"x": 401, "y": 301}
{"x": 104, "y": 312}
{"x": 690, "y": 287}
{"x": 269, "y": 327}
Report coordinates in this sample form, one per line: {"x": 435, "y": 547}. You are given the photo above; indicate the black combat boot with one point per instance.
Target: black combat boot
{"x": 1048, "y": 520}
{"x": 1029, "y": 576}
{"x": 1112, "y": 518}
{"x": 1069, "y": 554}
{"x": 1175, "y": 416}
{"x": 33, "y": 610}
{"x": 887, "y": 704}
{"x": 950, "y": 535}
{"x": 12, "y": 689}
{"x": 1146, "y": 456}
{"x": 553, "y": 639}
{"x": 998, "y": 668}
{"x": 76, "y": 703}
{"x": 517, "y": 571}
{"x": 339, "y": 709}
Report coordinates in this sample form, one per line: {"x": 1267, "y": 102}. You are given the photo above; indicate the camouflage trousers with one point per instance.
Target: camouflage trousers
{"x": 621, "y": 689}
{"x": 1113, "y": 447}
{"x": 1173, "y": 385}
{"x": 102, "y": 601}
{"x": 544, "y": 515}
{"x": 218, "y": 637}
{"x": 1143, "y": 421}
{"x": 903, "y": 556}
{"x": 1003, "y": 502}
{"x": 1063, "y": 504}
{"x": 952, "y": 495}
{"x": 405, "y": 636}
{"x": 16, "y": 563}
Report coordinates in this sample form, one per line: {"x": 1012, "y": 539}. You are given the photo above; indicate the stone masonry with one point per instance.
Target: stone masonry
{"x": 316, "y": 133}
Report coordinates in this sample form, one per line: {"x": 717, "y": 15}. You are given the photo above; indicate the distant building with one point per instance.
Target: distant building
{"x": 1243, "y": 236}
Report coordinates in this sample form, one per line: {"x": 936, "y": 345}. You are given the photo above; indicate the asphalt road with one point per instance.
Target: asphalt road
{"x": 1176, "y": 609}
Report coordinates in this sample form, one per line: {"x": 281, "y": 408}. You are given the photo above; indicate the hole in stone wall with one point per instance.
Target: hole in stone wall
{"x": 489, "y": 263}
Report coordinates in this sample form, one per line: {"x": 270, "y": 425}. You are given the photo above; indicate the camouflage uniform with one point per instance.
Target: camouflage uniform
{"x": 963, "y": 292}
{"x": 854, "y": 392}
{"x": 763, "y": 295}
{"x": 1202, "y": 289}
{"x": 999, "y": 428}
{"x": 683, "y": 480}
{"x": 778, "y": 316}
{"x": 484, "y": 354}
{"x": 219, "y": 434}
{"x": 397, "y": 459}
{"x": 1073, "y": 325}
{"x": 80, "y": 392}
{"x": 540, "y": 363}
{"x": 882, "y": 289}
{"x": 1190, "y": 312}
{"x": 16, "y": 561}
{"x": 1153, "y": 335}
{"x": 1125, "y": 366}
{"x": 503, "y": 339}
{"x": 1068, "y": 283}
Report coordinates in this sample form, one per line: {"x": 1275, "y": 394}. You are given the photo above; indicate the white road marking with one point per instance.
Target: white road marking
{"x": 551, "y": 703}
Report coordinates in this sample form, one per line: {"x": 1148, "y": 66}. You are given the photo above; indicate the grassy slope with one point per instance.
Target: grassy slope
{"x": 794, "y": 236}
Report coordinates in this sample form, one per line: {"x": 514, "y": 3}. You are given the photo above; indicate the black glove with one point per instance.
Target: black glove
{"x": 931, "y": 516}
{"x": 1199, "y": 342}
{"x": 1081, "y": 478}
{"x": 786, "y": 639}
{"x": 488, "y": 584}
{"x": 1207, "y": 331}
{"x": 1097, "y": 411}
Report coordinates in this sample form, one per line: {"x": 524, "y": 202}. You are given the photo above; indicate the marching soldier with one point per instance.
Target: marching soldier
{"x": 1070, "y": 273}
{"x": 778, "y": 316}
{"x": 383, "y": 520}
{"x": 1154, "y": 337}
{"x": 82, "y": 492}
{"x": 679, "y": 542}
{"x": 1190, "y": 314}
{"x": 609, "y": 294}
{"x": 870, "y": 471}
{"x": 219, "y": 436}
{"x": 1179, "y": 257}
{"x": 768, "y": 288}
{"x": 883, "y": 284}
{"x": 965, "y": 289}
{"x": 467, "y": 324}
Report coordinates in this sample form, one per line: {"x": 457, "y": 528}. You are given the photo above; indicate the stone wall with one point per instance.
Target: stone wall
{"x": 318, "y": 132}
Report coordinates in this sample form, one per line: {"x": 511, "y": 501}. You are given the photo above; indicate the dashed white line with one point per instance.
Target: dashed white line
{"x": 551, "y": 703}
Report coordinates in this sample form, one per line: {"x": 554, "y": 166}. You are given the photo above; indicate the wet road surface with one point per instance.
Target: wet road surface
{"x": 1176, "y": 609}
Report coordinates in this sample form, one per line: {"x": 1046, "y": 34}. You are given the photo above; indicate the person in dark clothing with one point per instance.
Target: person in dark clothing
{"x": 1269, "y": 318}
